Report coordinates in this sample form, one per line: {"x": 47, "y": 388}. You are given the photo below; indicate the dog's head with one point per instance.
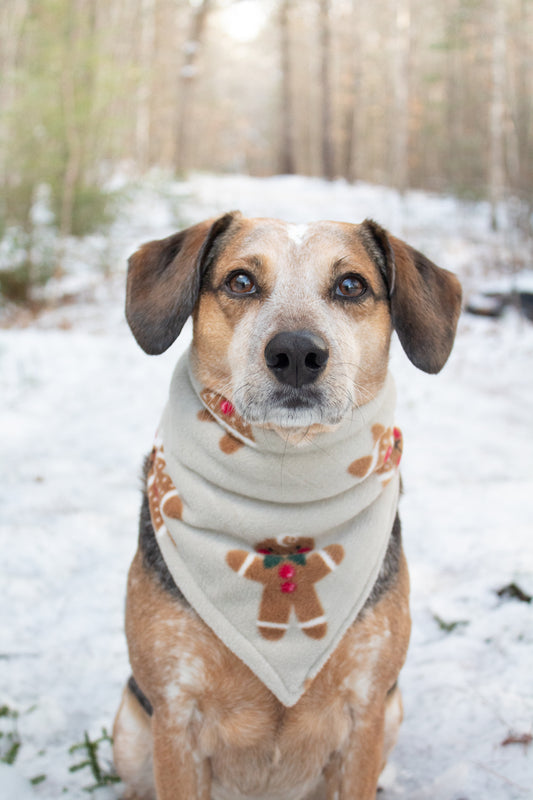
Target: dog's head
{"x": 292, "y": 323}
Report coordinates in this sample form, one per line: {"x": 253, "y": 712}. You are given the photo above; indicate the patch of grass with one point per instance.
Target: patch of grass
{"x": 93, "y": 210}
{"x": 103, "y": 775}
{"x": 9, "y": 736}
{"x": 448, "y": 627}
{"x": 27, "y": 260}
{"x": 513, "y": 591}
{"x": 10, "y": 742}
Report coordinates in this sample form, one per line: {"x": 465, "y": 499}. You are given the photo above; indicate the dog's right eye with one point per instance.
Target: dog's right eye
{"x": 241, "y": 283}
{"x": 351, "y": 285}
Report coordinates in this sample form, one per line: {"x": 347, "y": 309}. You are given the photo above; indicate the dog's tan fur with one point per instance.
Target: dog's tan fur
{"x": 216, "y": 732}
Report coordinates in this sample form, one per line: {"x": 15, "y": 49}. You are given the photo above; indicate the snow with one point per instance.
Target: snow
{"x": 13, "y": 785}
{"x": 80, "y": 402}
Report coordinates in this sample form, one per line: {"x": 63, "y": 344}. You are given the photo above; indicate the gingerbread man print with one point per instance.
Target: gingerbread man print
{"x": 162, "y": 494}
{"x": 386, "y": 455}
{"x": 288, "y": 568}
{"x": 225, "y": 411}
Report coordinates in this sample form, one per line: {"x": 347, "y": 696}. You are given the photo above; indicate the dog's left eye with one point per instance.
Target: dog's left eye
{"x": 241, "y": 283}
{"x": 351, "y": 285}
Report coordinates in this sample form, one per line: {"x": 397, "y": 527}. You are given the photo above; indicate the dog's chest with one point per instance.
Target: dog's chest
{"x": 258, "y": 749}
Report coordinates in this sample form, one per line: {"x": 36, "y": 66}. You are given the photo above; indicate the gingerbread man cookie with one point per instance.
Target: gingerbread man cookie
{"x": 162, "y": 494}
{"x": 385, "y": 457}
{"x": 226, "y": 412}
{"x": 288, "y": 568}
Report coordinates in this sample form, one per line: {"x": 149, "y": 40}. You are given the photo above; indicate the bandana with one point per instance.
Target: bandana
{"x": 276, "y": 546}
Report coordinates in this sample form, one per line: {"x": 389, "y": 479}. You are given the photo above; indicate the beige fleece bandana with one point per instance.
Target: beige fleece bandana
{"x": 276, "y": 547}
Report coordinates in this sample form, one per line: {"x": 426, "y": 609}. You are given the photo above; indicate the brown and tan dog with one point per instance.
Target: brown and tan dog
{"x": 329, "y": 294}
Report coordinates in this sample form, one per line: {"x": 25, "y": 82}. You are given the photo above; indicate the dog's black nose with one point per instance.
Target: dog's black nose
{"x": 296, "y": 357}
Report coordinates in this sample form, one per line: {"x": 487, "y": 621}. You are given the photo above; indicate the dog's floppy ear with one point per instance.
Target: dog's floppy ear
{"x": 425, "y": 300}
{"x": 164, "y": 279}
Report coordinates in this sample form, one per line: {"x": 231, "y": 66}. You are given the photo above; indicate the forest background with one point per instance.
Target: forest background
{"x": 410, "y": 94}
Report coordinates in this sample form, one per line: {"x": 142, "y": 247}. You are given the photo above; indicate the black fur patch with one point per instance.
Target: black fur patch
{"x": 390, "y": 567}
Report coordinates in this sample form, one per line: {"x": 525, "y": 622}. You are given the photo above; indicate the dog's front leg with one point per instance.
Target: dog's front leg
{"x": 353, "y": 774}
{"x": 180, "y": 772}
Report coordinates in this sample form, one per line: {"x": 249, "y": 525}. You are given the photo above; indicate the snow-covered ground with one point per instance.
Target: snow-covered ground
{"x": 79, "y": 403}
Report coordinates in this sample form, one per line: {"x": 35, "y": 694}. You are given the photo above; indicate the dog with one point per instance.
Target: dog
{"x": 288, "y": 367}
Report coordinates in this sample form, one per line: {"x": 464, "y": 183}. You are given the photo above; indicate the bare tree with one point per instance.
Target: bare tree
{"x": 12, "y": 18}
{"x": 520, "y": 108}
{"x": 188, "y": 76}
{"x": 400, "y": 85}
{"x": 287, "y": 159}
{"x": 328, "y": 166}
{"x": 352, "y": 144}
{"x": 145, "y": 55}
{"x": 74, "y": 24}
{"x": 497, "y": 110}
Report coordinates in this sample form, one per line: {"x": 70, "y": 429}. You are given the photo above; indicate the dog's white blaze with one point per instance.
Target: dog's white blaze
{"x": 297, "y": 233}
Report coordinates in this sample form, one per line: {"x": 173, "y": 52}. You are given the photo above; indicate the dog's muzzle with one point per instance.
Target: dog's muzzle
{"x": 296, "y": 358}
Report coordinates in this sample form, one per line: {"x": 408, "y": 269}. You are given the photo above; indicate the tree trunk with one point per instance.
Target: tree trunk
{"x": 188, "y": 75}
{"x": 73, "y": 143}
{"x": 400, "y": 83}
{"x": 497, "y": 111}
{"x": 287, "y": 160}
{"x": 143, "y": 116}
{"x": 12, "y": 17}
{"x": 352, "y": 144}
{"x": 328, "y": 166}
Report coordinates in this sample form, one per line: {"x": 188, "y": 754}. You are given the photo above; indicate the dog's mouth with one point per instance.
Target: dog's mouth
{"x": 288, "y": 407}
{"x": 296, "y": 398}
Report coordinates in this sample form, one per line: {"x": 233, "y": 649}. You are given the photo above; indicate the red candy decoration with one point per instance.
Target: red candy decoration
{"x": 286, "y": 571}
{"x": 288, "y": 588}
{"x": 397, "y": 433}
{"x": 226, "y": 408}
{"x": 388, "y": 453}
